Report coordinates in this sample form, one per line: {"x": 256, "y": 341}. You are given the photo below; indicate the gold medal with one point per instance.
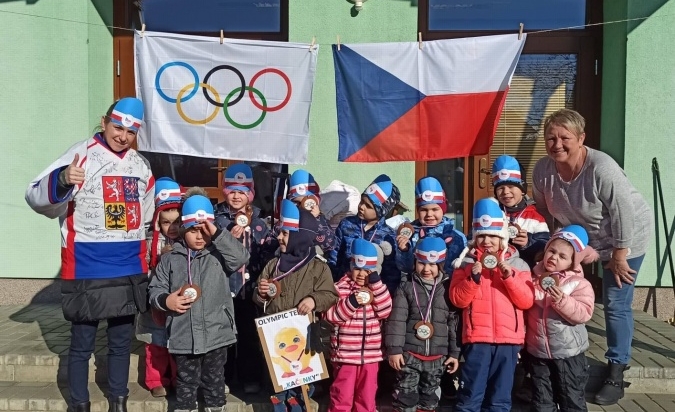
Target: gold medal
{"x": 406, "y": 230}
{"x": 275, "y": 289}
{"x": 309, "y": 202}
{"x": 365, "y": 296}
{"x": 514, "y": 229}
{"x": 244, "y": 217}
{"x": 424, "y": 330}
{"x": 548, "y": 280}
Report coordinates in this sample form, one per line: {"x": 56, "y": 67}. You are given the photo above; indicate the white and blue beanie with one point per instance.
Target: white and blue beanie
{"x": 289, "y": 216}
{"x": 364, "y": 254}
{"x": 384, "y": 195}
{"x": 239, "y": 177}
{"x": 196, "y": 208}
{"x": 578, "y": 238}
{"x": 428, "y": 190}
{"x": 302, "y": 184}
{"x": 489, "y": 219}
{"x": 127, "y": 112}
{"x": 507, "y": 171}
{"x": 430, "y": 250}
{"x": 167, "y": 193}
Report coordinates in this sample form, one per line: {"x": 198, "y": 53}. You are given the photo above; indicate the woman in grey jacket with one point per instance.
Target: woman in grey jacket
{"x": 577, "y": 185}
{"x": 191, "y": 284}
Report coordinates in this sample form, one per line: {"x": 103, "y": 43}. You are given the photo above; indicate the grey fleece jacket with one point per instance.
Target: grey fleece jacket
{"x": 601, "y": 199}
{"x": 209, "y": 323}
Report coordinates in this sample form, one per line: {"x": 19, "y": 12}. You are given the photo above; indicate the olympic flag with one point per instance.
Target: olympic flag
{"x": 399, "y": 101}
{"x": 242, "y": 100}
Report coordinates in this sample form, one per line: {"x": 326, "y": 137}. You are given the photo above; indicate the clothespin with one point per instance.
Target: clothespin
{"x": 419, "y": 39}
{"x": 520, "y": 31}
{"x": 222, "y": 37}
{"x": 311, "y": 46}
{"x": 142, "y": 29}
{"x": 338, "y": 42}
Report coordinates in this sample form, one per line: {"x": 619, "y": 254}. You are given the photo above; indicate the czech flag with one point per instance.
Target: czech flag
{"x": 400, "y": 102}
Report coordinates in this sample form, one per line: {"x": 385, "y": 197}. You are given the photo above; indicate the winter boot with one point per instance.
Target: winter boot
{"x": 117, "y": 403}
{"x": 612, "y": 389}
{"x": 80, "y": 407}
{"x": 214, "y": 409}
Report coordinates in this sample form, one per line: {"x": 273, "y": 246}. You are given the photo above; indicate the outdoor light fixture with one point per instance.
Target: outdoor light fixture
{"x": 358, "y": 4}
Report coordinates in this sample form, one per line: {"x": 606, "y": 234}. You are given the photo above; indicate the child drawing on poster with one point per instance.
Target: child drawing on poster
{"x": 289, "y": 345}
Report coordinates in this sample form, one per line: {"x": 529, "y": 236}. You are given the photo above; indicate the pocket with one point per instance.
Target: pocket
{"x": 74, "y": 306}
{"x": 229, "y": 317}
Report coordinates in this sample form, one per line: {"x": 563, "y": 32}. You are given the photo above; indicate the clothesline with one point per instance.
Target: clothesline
{"x": 528, "y": 33}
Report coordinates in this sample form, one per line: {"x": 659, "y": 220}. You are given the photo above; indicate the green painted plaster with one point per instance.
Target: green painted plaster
{"x": 379, "y": 21}
{"x": 56, "y": 82}
{"x": 649, "y": 119}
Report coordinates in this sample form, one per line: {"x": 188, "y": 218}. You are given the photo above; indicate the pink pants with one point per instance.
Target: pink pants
{"x": 354, "y": 388}
{"x": 160, "y": 368}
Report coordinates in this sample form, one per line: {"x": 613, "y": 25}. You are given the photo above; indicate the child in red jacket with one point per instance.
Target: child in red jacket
{"x": 356, "y": 344}
{"x": 493, "y": 286}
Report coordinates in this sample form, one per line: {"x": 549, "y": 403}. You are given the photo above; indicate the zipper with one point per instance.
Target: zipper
{"x": 429, "y": 303}
{"x": 363, "y": 336}
{"x": 546, "y": 345}
{"x": 494, "y": 307}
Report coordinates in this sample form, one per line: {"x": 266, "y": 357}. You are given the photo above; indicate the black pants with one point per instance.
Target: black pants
{"x": 418, "y": 384}
{"x": 246, "y": 357}
{"x": 205, "y": 371}
{"x": 559, "y": 383}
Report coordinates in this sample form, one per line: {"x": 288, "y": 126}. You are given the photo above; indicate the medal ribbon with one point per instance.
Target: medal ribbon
{"x": 363, "y": 233}
{"x": 425, "y": 318}
{"x": 290, "y": 361}
{"x": 283, "y": 275}
{"x": 189, "y": 266}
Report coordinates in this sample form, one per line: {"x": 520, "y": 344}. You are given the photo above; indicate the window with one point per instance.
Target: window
{"x": 464, "y": 15}
{"x": 200, "y": 16}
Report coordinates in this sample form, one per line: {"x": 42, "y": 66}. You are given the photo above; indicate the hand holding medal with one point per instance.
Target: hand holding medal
{"x": 403, "y": 235}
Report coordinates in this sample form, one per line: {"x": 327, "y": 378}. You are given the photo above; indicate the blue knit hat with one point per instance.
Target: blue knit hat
{"x": 167, "y": 192}
{"x": 430, "y": 250}
{"x": 429, "y": 191}
{"x": 578, "y": 237}
{"x": 489, "y": 219}
{"x": 289, "y": 216}
{"x": 195, "y": 209}
{"x": 364, "y": 254}
{"x": 238, "y": 177}
{"x": 127, "y": 112}
{"x": 302, "y": 184}
{"x": 507, "y": 171}
{"x": 384, "y": 195}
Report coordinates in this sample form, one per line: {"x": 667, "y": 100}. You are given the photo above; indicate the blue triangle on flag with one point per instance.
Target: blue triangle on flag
{"x": 369, "y": 99}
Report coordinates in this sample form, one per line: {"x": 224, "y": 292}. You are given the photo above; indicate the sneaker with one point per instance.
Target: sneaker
{"x": 253, "y": 387}
{"x": 227, "y": 390}
{"x": 158, "y": 392}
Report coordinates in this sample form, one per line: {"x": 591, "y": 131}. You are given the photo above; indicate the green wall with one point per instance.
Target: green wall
{"x": 642, "y": 129}
{"x": 56, "y": 81}
{"x": 379, "y": 21}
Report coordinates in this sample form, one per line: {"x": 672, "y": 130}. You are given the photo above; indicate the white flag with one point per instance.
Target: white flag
{"x": 242, "y": 100}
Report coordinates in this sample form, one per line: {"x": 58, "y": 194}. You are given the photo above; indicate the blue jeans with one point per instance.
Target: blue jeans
{"x": 487, "y": 378}
{"x": 83, "y": 344}
{"x": 619, "y": 313}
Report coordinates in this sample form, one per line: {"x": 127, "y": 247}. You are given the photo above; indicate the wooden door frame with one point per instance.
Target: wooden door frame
{"x": 586, "y": 44}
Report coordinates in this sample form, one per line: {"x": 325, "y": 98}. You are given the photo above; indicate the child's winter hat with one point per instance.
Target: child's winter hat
{"x": 127, "y": 112}
{"x": 364, "y": 254}
{"x": 578, "y": 238}
{"x": 167, "y": 193}
{"x": 302, "y": 184}
{"x": 429, "y": 190}
{"x": 289, "y": 217}
{"x": 239, "y": 177}
{"x": 197, "y": 207}
{"x": 384, "y": 195}
{"x": 506, "y": 170}
{"x": 430, "y": 250}
{"x": 489, "y": 219}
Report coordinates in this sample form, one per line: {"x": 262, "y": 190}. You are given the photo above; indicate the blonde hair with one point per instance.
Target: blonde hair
{"x": 567, "y": 118}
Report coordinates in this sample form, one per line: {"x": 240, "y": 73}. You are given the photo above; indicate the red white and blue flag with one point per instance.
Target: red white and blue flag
{"x": 398, "y": 102}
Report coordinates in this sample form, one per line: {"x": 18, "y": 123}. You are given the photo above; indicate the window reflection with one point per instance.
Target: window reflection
{"x": 186, "y": 170}
{"x": 505, "y": 14}
{"x": 450, "y": 173}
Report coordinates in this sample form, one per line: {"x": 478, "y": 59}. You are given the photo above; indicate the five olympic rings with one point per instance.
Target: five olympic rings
{"x": 232, "y": 98}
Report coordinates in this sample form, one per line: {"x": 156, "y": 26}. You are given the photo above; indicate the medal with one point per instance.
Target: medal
{"x": 243, "y": 218}
{"x": 406, "y": 230}
{"x": 193, "y": 292}
{"x": 275, "y": 288}
{"x": 364, "y": 295}
{"x": 514, "y": 229}
{"x": 296, "y": 366}
{"x": 489, "y": 260}
{"x": 424, "y": 330}
{"x": 309, "y": 202}
{"x": 548, "y": 280}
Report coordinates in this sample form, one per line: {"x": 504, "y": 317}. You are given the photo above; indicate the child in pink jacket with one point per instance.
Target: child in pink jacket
{"x": 356, "y": 344}
{"x": 556, "y": 335}
{"x": 493, "y": 286}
